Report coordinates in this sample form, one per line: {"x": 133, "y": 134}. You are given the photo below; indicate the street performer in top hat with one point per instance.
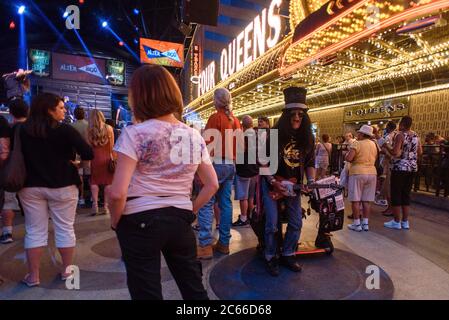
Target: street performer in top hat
{"x": 296, "y": 156}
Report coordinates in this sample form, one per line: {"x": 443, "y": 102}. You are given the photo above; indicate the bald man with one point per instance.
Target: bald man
{"x": 246, "y": 174}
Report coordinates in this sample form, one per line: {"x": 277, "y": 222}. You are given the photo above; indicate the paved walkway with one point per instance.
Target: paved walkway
{"x": 416, "y": 261}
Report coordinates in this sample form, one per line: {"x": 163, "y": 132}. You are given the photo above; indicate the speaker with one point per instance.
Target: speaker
{"x": 202, "y": 11}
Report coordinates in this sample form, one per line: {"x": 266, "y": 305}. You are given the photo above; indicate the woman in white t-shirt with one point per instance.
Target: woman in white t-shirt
{"x": 151, "y": 207}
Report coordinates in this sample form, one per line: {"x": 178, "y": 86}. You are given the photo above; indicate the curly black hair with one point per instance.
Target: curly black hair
{"x": 304, "y": 135}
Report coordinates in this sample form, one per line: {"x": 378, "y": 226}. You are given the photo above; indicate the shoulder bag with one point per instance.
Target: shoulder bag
{"x": 13, "y": 173}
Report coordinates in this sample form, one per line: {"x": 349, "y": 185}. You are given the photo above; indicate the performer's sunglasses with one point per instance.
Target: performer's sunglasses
{"x": 299, "y": 113}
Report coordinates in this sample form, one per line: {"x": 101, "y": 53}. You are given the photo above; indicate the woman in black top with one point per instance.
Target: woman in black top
{"x": 49, "y": 147}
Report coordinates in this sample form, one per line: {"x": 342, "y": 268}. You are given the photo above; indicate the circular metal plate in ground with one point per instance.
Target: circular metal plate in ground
{"x": 340, "y": 276}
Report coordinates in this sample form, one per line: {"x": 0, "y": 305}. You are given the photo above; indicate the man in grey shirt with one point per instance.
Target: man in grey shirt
{"x": 81, "y": 125}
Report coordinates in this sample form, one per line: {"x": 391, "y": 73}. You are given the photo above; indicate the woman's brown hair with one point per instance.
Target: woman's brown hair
{"x": 325, "y": 137}
{"x": 154, "y": 93}
{"x": 39, "y": 120}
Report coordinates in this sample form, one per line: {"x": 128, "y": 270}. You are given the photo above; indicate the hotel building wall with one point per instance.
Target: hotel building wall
{"x": 430, "y": 113}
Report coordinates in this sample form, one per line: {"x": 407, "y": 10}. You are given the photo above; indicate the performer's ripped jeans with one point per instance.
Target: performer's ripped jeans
{"x": 291, "y": 238}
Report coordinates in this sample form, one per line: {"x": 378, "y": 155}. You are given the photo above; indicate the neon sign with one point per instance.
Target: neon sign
{"x": 263, "y": 33}
{"x": 207, "y": 79}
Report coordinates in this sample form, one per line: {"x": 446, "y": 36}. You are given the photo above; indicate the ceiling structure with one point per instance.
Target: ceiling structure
{"x": 383, "y": 63}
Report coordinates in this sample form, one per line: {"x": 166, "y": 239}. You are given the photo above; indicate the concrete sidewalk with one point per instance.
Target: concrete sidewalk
{"x": 417, "y": 261}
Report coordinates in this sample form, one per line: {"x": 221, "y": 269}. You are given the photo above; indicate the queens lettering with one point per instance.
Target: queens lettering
{"x": 263, "y": 33}
{"x": 207, "y": 79}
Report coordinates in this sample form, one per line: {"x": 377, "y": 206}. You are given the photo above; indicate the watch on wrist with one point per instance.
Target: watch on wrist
{"x": 310, "y": 181}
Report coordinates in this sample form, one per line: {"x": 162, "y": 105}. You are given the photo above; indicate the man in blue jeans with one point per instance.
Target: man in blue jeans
{"x": 219, "y": 135}
{"x": 296, "y": 156}
{"x": 225, "y": 175}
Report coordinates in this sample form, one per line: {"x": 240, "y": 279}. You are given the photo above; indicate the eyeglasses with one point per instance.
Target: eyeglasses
{"x": 299, "y": 113}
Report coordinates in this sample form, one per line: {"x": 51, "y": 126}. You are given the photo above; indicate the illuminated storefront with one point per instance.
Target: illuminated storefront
{"x": 350, "y": 55}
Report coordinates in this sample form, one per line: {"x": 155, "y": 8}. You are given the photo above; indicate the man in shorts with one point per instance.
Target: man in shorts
{"x": 246, "y": 174}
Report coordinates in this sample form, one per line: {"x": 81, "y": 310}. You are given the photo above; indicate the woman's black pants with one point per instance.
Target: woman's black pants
{"x": 143, "y": 236}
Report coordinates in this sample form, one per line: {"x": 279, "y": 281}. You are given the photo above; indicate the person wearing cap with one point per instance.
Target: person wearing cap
{"x": 362, "y": 176}
{"x": 296, "y": 156}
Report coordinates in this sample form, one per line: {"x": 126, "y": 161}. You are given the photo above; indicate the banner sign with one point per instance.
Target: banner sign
{"x": 40, "y": 62}
{"x": 78, "y": 68}
{"x": 378, "y": 110}
{"x": 162, "y": 53}
{"x": 115, "y": 72}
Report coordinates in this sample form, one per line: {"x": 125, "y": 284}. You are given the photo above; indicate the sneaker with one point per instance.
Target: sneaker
{"x": 205, "y": 252}
{"x": 355, "y": 227}
{"x": 273, "y": 266}
{"x": 393, "y": 225}
{"x": 405, "y": 225}
{"x": 382, "y": 203}
{"x": 30, "y": 283}
{"x": 365, "y": 227}
{"x": 240, "y": 223}
{"x": 6, "y": 238}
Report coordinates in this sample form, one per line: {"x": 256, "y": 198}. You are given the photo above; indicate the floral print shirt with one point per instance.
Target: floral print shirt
{"x": 408, "y": 160}
{"x": 167, "y": 156}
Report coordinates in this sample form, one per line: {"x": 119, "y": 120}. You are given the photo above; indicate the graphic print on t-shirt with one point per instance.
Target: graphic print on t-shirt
{"x": 291, "y": 155}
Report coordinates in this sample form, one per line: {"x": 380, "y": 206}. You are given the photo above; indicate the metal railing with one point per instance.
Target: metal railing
{"x": 433, "y": 170}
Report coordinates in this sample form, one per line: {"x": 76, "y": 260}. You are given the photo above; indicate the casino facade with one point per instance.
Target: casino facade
{"x": 362, "y": 61}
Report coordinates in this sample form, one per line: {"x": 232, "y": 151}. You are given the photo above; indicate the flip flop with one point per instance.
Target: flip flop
{"x": 67, "y": 276}
{"x": 29, "y": 283}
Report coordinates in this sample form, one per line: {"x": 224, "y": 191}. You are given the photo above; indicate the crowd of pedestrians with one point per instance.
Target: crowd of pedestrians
{"x": 148, "y": 193}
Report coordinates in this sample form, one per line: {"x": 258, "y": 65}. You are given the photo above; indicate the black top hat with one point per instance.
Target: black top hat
{"x": 295, "y": 98}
